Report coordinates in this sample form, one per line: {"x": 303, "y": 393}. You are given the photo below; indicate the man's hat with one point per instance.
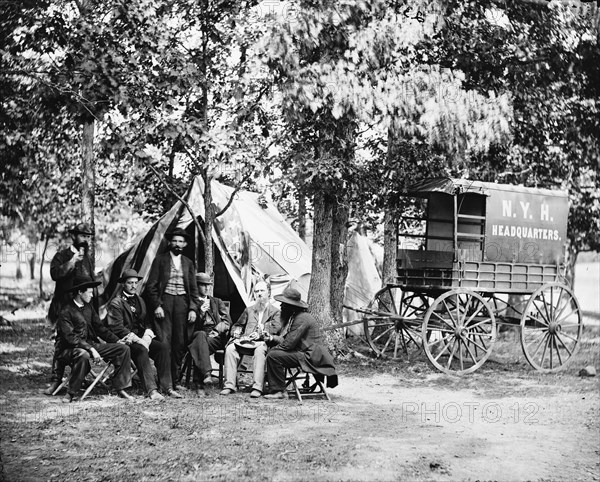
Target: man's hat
{"x": 178, "y": 232}
{"x": 290, "y": 296}
{"x": 82, "y": 228}
{"x": 245, "y": 346}
{"x": 84, "y": 282}
{"x": 129, "y": 273}
{"x": 203, "y": 279}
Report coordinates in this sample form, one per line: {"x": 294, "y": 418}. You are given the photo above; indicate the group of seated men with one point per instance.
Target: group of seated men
{"x": 176, "y": 316}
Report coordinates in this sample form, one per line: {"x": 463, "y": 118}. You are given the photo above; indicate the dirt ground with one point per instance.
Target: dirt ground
{"x": 389, "y": 420}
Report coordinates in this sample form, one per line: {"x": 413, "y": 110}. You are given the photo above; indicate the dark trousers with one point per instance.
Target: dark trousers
{"x": 171, "y": 330}
{"x": 58, "y": 365}
{"x": 201, "y": 347}
{"x": 115, "y": 353}
{"x": 159, "y": 352}
{"x": 277, "y": 362}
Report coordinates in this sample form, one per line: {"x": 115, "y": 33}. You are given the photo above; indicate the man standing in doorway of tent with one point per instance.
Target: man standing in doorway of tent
{"x": 248, "y": 334}
{"x": 210, "y": 331}
{"x": 172, "y": 297}
{"x": 299, "y": 345}
{"x": 127, "y": 320}
{"x": 65, "y": 266}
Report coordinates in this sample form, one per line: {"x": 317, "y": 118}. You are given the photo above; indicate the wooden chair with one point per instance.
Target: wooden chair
{"x": 187, "y": 364}
{"x": 314, "y": 388}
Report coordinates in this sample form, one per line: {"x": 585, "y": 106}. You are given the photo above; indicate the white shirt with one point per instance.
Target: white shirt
{"x": 176, "y": 261}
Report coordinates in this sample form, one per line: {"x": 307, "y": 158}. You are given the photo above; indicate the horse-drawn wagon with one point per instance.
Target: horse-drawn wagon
{"x": 473, "y": 255}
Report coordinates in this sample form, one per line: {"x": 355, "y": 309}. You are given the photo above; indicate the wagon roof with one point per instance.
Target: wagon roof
{"x": 457, "y": 186}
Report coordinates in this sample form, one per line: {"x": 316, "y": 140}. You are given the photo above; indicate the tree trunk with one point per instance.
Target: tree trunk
{"x": 46, "y": 239}
{"x": 18, "y": 271}
{"x": 209, "y": 218}
{"x": 319, "y": 292}
{"x": 390, "y": 238}
{"x": 339, "y": 258}
{"x": 339, "y": 268}
{"x": 302, "y": 216}
{"x": 32, "y": 266}
{"x": 390, "y": 248}
{"x": 88, "y": 168}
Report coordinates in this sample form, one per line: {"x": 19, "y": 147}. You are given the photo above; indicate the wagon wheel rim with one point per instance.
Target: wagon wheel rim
{"x": 459, "y": 331}
{"x": 551, "y": 327}
{"x": 385, "y": 333}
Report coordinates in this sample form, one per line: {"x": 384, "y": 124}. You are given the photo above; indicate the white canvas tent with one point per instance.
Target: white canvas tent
{"x": 251, "y": 240}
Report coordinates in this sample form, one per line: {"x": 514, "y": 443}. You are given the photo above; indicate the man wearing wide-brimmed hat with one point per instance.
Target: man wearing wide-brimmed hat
{"x": 210, "y": 331}
{"x": 79, "y": 333}
{"x": 172, "y": 296}
{"x": 299, "y": 345}
{"x": 248, "y": 334}
{"x": 127, "y": 320}
{"x": 67, "y": 264}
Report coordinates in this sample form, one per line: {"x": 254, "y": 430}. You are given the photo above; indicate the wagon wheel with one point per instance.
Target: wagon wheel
{"x": 460, "y": 330}
{"x": 393, "y": 328}
{"x": 551, "y": 327}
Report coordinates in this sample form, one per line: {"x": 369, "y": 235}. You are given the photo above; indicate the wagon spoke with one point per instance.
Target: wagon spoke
{"x": 449, "y": 311}
{"x": 567, "y": 316}
{"x": 482, "y": 322}
{"x": 443, "y": 339}
{"x": 446, "y": 346}
{"x": 451, "y": 354}
{"x": 560, "y": 362}
{"x": 541, "y": 322}
{"x": 539, "y": 344}
{"x": 474, "y": 315}
{"x": 385, "y": 332}
{"x": 462, "y": 314}
{"x": 439, "y": 317}
{"x": 569, "y": 336}
{"x": 412, "y": 337}
{"x": 386, "y": 345}
{"x": 484, "y": 348}
{"x": 557, "y": 313}
{"x": 563, "y": 344}
{"x": 480, "y": 333}
{"x": 547, "y": 342}
{"x": 471, "y": 353}
{"x": 545, "y": 305}
{"x": 462, "y": 366}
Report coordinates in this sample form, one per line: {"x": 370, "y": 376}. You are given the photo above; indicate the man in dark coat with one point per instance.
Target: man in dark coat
{"x": 127, "y": 320}
{"x": 79, "y": 334}
{"x": 210, "y": 331}
{"x": 299, "y": 345}
{"x": 172, "y": 297}
{"x": 65, "y": 266}
{"x": 247, "y": 338}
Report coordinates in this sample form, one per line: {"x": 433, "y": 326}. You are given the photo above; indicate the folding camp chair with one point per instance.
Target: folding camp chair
{"x": 100, "y": 377}
{"x": 308, "y": 388}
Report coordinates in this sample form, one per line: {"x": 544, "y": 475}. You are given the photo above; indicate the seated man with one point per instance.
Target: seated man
{"x": 255, "y": 321}
{"x": 209, "y": 332}
{"x": 127, "y": 320}
{"x": 299, "y": 345}
{"x": 79, "y": 329}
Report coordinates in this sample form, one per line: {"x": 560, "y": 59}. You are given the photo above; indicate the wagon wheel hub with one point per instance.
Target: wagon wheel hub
{"x": 460, "y": 332}
{"x": 554, "y": 328}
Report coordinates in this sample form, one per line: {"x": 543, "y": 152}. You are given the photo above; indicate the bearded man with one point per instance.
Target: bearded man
{"x": 66, "y": 265}
{"x": 172, "y": 297}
